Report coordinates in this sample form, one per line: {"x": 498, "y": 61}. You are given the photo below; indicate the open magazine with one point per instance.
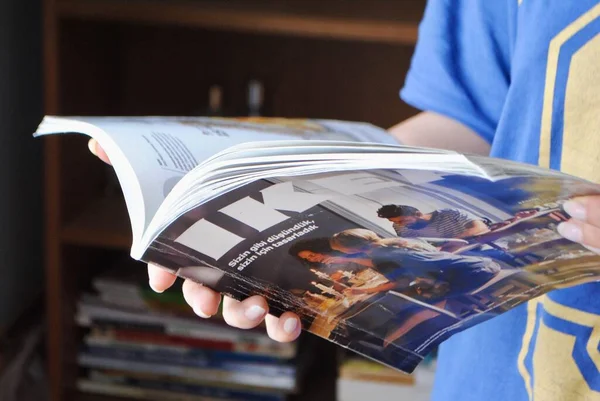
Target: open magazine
{"x": 381, "y": 248}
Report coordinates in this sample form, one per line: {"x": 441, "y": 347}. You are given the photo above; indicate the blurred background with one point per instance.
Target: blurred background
{"x": 77, "y": 321}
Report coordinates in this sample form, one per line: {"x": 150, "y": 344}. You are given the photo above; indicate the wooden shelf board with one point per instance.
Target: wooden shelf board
{"x": 103, "y": 224}
{"x": 244, "y": 18}
{"x": 82, "y": 396}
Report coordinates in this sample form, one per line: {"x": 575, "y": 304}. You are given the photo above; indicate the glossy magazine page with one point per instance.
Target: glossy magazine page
{"x": 386, "y": 263}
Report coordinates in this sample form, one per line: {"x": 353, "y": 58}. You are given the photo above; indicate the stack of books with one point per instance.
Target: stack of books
{"x": 139, "y": 344}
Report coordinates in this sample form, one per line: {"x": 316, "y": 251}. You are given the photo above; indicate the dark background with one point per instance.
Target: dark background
{"x": 21, "y": 273}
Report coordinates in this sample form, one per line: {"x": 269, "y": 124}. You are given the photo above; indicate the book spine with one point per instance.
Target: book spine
{"x": 192, "y": 359}
{"x": 126, "y": 333}
{"x": 184, "y": 350}
{"x": 200, "y": 332}
{"x": 90, "y": 315}
{"x": 130, "y": 392}
{"x": 206, "y": 375}
{"x": 188, "y": 389}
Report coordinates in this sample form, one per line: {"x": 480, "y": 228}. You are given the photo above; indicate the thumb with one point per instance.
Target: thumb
{"x": 97, "y": 151}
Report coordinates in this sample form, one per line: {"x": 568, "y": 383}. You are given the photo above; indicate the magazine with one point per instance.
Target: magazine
{"x": 384, "y": 249}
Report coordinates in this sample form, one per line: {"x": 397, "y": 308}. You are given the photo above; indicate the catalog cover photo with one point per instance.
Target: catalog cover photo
{"x": 388, "y": 263}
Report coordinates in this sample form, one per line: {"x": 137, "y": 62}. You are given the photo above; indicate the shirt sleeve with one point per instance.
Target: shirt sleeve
{"x": 461, "y": 63}
{"x": 459, "y": 216}
{"x": 399, "y": 274}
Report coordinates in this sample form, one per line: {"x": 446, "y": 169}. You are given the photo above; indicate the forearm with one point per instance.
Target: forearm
{"x": 400, "y": 282}
{"x": 418, "y": 319}
{"x": 381, "y": 288}
{"x": 477, "y": 227}
{"x": 409, "y": 324}
{"x": 432, "y": 130}
{"x": 345, "y": 260}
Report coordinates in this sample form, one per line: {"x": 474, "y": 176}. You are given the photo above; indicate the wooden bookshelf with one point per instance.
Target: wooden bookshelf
{"x": 324, "y": 59}
{"x": 81, "y": 396}
{"x": 105, "y": 223}
{"x": 297, "y": 18}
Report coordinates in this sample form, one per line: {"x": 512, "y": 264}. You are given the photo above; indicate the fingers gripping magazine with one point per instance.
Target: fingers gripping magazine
{"x": 383, "y": 249}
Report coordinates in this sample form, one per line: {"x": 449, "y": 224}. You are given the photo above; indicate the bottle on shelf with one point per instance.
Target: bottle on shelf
{"x": 255, "y": 98}
{"x": 215, "y": 101}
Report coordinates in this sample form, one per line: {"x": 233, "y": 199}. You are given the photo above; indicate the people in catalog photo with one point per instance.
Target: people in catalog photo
{"x": 409, "y": 221}
{"x": 445, "y": 263}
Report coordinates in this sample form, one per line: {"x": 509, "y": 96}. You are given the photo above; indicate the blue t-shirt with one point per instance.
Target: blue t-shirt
{"x": 525, "y": 75}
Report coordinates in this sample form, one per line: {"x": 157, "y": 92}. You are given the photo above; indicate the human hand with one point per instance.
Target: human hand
{"x": 335, "y": 260}
{"x": 246, "y": 314}
{"x": 584, "y": 225}
{"x": 337, "y": 276}
{"x": 354, "y": 291}
{"x": 429, "y": 288}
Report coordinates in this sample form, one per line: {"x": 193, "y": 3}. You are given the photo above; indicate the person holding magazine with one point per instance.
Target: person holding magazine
{"x": 490, "y": 81}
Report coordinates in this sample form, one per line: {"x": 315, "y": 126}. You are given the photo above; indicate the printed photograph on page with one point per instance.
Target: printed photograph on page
{"x": 386, "y": 263}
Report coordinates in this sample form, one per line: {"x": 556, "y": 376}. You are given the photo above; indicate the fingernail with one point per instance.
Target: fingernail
{"x": 570, "y": 231}
{"x": 290, "y": 325}
{"x": 92, "y": 147}
{"x": 254, "y": 312}
{"x": 154, "y": 288}
{"x": 576, "y": 210}
{"x": 200, "y": 313}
